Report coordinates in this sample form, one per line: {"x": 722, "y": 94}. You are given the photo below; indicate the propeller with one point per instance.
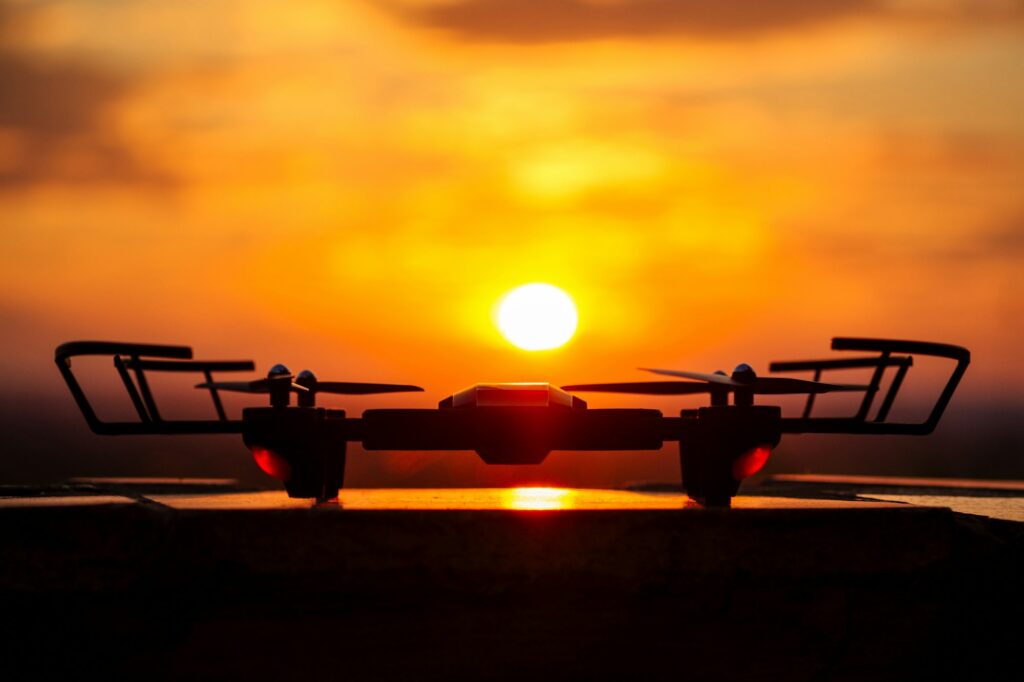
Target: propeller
{"x": 306, "y": 382}
{"x": 646, "y": 387}
{"x": 279, "y": 383}
{"x": 743, "y": 379}
{"x": 309, "y": 381}
{"x": 256, "y": 386}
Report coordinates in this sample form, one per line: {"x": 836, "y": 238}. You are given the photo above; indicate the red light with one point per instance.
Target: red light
{"x": 750, "y": 462}
{"x": 272, "y": 463}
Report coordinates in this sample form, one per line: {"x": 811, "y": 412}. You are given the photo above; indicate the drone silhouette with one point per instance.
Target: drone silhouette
{"x": 720, "y": 445}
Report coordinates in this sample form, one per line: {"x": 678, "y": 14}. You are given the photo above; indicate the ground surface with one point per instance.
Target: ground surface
{"x": 803, "y": 579}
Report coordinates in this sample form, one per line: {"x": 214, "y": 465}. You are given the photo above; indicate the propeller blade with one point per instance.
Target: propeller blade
{"x": 257, "y": 386}
{"x": 357, "y": 388}
{"x": 781, "y": 386}
{"x": 644, "y": 387}
{"x": 763, "y": 385}
{"x": 698, "y": 376}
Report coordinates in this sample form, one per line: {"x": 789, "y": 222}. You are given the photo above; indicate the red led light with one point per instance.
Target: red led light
{"x": 750, "y": 462}
{"x": 272, "y": 463}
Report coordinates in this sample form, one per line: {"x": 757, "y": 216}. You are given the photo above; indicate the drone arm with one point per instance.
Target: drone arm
{"x": 471, "y": 429}
{"x": 851, "y": 425}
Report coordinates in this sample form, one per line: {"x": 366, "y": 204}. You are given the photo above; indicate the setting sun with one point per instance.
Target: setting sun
{"x": 537, "y": 498}
{"x": 537, "y": 317}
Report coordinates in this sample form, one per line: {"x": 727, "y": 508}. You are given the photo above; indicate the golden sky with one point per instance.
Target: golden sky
{"x": 352, "y": 185}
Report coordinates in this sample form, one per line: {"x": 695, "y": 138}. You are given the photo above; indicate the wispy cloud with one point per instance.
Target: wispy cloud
{"x": 538, "y": 21}
{"x": 54, "y": 119}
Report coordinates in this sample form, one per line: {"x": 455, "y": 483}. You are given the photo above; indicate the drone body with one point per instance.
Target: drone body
{"x": 719, "y": 445}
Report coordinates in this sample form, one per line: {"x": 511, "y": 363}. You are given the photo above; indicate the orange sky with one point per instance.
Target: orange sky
{"x": 351, "y": 186}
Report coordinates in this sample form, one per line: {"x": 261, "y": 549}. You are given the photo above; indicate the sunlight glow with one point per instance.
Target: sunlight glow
{"x": 537, "y": 317}
{"x": 536, "y": 499}
{"x": 272, "y": 463}
{"x": 750, "y": 462}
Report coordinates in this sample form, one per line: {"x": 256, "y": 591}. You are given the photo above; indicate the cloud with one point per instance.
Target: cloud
{"x": 539, "y": 21}
{"x": 1005, "y": 239}
{"x": 55, "y": 120}
{"x": 52, "y": 98}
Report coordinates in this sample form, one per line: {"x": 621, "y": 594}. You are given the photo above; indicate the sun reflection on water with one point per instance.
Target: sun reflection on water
{"x": 538, "y": 498}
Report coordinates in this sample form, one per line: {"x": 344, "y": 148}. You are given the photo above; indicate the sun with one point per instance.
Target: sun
{"x": 537, "y": 317}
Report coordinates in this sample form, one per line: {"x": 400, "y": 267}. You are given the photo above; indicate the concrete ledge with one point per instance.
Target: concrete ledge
{"x": 394, "y": 584}
{"x": 431, "y": 539}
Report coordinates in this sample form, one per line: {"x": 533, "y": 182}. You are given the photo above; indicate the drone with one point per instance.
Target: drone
{"x": 720, "y": 445}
